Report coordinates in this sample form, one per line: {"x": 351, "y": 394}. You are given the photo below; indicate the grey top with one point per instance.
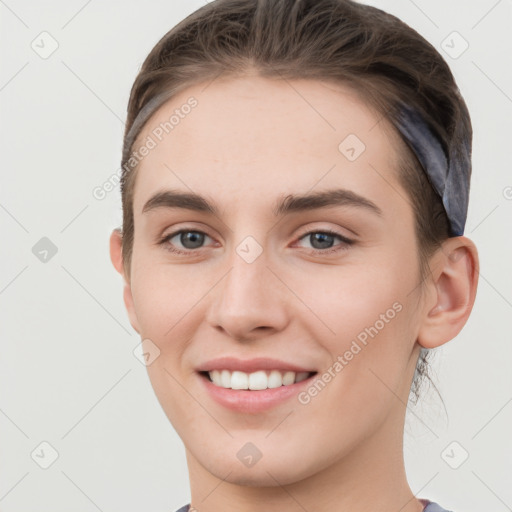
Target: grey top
{"x": 430, "y": 507}
{"x": 434, "y": 507}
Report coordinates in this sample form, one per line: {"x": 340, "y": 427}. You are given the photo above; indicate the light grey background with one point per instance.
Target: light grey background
{"x": 68, "y": 375}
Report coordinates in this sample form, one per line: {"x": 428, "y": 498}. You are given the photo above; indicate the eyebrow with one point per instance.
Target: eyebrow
{"x": 284, "y": 205}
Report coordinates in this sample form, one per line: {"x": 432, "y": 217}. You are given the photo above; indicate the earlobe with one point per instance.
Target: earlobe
{"x": 454, "y": 284}
{"x": 116, "y": 256}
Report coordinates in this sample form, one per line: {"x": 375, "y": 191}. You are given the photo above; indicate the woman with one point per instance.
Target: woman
{"x": 295, "y": 188}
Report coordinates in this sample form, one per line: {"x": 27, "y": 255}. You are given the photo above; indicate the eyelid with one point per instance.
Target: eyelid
{"x": 323, "y": 229}
{"x": 175, "y": 230}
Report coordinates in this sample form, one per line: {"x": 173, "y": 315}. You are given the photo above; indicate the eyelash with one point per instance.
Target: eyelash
{"x": 346, "y": 242}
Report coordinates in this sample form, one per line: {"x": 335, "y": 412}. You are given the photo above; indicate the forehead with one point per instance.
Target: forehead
{"x": 266, "y": 135}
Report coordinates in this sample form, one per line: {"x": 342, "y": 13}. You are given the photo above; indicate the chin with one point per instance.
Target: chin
{"x": 269, "y": 471}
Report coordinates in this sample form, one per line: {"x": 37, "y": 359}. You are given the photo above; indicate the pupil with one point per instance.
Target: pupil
{"x": 193, "y": 237}
{"x": 322, "y": 239}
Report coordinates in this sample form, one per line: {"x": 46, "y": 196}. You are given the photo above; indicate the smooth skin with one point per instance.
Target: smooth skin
{"x": 249, "y": 142}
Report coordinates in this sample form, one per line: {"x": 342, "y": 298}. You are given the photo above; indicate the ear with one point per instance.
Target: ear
{"x": 452, "y": 291}
{"x": 116, "y": 255}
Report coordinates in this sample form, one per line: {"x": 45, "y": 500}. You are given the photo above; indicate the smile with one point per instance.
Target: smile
{"x": 255, "y": 381}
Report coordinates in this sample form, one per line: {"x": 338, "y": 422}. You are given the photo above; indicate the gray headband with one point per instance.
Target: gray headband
{"x": 448, "y": 174}
{"x": 142, "y": 117}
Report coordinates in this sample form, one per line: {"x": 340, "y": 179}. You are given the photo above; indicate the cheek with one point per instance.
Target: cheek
{"x": 369, "y": 369}
{"x": 166, "y": 296}
{"x": 341, "y": 302}
{"x": 365, "y": 320}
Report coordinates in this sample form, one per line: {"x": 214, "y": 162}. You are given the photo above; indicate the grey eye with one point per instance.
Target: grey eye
{"x": 191, "y": 239}
{"x": 321, "y": 240}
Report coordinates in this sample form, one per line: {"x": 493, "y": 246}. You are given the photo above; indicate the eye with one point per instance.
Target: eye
{"x": 193, "y": 240}
{"x": 189, "y": 239}
{"x": 321, "y": 241}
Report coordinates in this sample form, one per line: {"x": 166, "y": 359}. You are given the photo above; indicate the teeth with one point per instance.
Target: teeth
{"x": 274, "y": 380}
{"x": 301, "y": 376}
{"x": 225, "y": 379}
{"x": 258, "y": 380}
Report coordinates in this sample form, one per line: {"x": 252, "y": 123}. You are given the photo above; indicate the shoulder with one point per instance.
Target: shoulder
{"x": 430, "y": 507}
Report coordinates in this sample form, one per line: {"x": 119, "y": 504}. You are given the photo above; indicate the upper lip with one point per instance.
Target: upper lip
{"x": 249, "y": 365}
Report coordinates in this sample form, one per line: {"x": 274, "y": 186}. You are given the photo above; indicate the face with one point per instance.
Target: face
{"x": 326, "y": 286}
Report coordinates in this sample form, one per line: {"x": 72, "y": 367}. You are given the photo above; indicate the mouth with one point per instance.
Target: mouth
{"x": 255, "y": 381}
{"x": 253, "y": 386}
{"x": 256, "y": 392}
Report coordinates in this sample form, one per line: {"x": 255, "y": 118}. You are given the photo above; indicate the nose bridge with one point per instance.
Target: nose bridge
{"x": 248, "y": 274}
{"x": 249, "y": 296}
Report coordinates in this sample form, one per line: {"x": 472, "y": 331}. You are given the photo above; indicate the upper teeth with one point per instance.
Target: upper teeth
{"x": 256, "y": 380}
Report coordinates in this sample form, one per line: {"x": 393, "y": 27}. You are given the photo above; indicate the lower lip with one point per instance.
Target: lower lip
{"x": 253, "y": 401}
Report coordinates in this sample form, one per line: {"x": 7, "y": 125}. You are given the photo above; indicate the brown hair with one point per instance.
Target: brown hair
{"x": 385, "y": 61}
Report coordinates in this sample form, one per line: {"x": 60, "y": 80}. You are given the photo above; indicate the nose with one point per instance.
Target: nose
{"x": 250, "y": 302}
